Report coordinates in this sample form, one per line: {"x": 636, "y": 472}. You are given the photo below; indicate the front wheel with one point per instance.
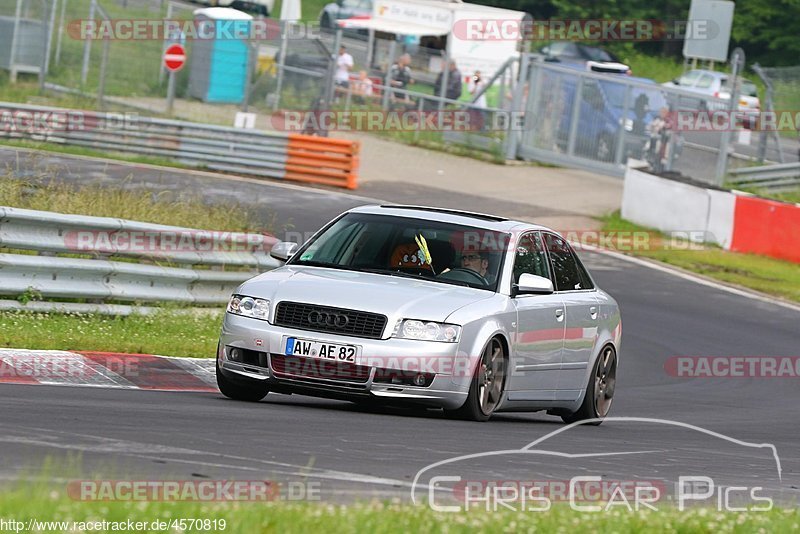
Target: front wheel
{"x": 599, "y": 391}
{"x": 243, "y": 390}
{"x": 488, "y": 382}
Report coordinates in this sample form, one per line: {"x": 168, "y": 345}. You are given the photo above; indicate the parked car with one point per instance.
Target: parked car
{"x": 344, "y": 9}
{"x": 471, "y": 313}
{"x": 602, "y": 114}
{"x": 259, "y": 7}
{"x": 591, "y": 57}
{"x": 717, "y": 85}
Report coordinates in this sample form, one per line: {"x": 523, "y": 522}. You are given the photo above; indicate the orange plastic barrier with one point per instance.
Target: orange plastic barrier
{"x": 322, "y": 160}
{"x": 767, "y": 227}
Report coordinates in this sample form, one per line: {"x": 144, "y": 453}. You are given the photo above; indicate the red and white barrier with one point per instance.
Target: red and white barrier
{"x": 106, "y": 370}
{"x": 734, "y": 220}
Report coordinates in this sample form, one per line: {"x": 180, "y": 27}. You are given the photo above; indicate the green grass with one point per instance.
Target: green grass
{"x": 786, "y": 196}
{"x": 82, "y": 151}
{"x": 168, "y": 332}
{"x": 48, "y": 502}
{"x": 767, "y": 275}
{"x": 187, "y": 210}
{"x": 660, "y": 69}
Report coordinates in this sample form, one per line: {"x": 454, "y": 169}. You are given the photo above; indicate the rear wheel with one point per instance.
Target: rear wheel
{"x": 599, "y": 391}
{"x": 241, "y": 389}
{"x": 487, "y": 386}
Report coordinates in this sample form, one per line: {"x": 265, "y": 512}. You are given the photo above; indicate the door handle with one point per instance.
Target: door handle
{"x": 593, "y": 312}
{"x": 560, "y": 314}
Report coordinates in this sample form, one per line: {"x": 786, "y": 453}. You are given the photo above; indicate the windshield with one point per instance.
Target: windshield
{"x": 407, "y": 247}
{"x": 598, "y": 54}
{"x": 651, "y": 98}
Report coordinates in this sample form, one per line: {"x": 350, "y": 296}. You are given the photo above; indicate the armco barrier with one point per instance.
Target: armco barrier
{"x": 734, "y": 220}
{"x": 98, "y": 278}
{"x": 318, "y": 160}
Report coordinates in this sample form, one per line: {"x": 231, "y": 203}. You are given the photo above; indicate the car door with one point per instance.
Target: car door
{"x": 539, "y": 335}
{"x": 578, "y": 295}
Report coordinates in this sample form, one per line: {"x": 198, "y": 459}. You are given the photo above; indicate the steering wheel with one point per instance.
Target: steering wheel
{"x": 474, "y": 274}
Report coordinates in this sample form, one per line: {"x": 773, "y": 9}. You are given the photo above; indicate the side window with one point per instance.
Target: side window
{"x": 586, "y": 280}
{"x": 689, "y": 78}
{"x": 530, "y": 257}
{"x": 564, "y": 49}
{"x": 565, "y": 266}
{"x": 705, "y": 81}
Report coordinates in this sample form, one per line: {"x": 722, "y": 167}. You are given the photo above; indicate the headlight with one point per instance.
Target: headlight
{"x": 249, "y": 307}
{"x": 427, "y": 330}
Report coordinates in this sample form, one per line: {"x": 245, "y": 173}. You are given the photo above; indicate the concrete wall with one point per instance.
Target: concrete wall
{"x": 733, "y": 220}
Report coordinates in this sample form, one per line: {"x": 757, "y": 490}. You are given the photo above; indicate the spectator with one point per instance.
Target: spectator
{"x": 453, "y": 90}
{"x": 478, "y": 111}
{"x": 344, "y": 63}
{"x": 362, "y": 88}
{"x": 475, "y": 86}
{"x": 400, "y": 77}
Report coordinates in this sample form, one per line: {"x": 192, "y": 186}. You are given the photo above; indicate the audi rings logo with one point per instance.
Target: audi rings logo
{"x": 328, "y": 319}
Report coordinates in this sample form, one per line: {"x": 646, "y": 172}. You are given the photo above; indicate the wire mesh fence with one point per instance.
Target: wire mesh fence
{"x": 24, "y": 35}
{"x": 783, "y": 94}
{"x": 571, "y": 116}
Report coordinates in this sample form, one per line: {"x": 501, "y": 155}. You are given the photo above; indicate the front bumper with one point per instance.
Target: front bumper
{"x": 266, "y": 343}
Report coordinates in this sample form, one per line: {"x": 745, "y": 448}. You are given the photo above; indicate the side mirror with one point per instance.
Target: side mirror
{"x": 283, "y": 250}
{"x": 533, "y": 284}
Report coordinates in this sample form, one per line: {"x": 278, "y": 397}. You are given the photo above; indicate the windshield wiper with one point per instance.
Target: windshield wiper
{"x": 312, "y": 263}
{"x": 393, "y": 273}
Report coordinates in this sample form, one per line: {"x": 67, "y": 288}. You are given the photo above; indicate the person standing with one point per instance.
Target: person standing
{"x": 344, "y": 64}
{"x": 454, "y": 84}
{"x": 478, "y": 111}
{"x": 400, "y": 77}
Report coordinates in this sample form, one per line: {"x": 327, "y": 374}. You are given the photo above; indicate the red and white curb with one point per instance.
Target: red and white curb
{"x": 106, "y": 370}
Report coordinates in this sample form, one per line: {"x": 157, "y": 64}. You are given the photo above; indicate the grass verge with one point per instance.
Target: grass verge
{"x": 168, "y": 332}
{"x": 186, "y": 209}
{"x": 81, "y": 151}
{"x": 767, "y": 275}
{"x": 785, "y": 196}
{"x": 42, "y": 503}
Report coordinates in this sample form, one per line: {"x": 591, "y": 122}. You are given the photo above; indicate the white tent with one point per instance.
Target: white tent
{"x": 437, "y": 18}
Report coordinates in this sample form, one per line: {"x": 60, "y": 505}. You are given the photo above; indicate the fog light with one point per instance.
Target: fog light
{"x": 235, "y": 355}
{"x": 419, "y": 380}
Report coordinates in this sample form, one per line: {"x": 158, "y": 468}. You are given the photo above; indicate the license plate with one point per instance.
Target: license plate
{"x": 318, "y": 349}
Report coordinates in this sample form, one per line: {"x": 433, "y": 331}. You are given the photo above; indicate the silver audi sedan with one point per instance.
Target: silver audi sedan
{"x": 470, "y": 313}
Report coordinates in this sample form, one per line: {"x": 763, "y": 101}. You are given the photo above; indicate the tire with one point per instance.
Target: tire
{"x": 485, "y": 389}
{"x": 242, "y": 390}
{"x": 599, "y": 391}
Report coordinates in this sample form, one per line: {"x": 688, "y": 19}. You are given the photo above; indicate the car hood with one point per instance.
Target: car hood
{"x": 393, "y": 296}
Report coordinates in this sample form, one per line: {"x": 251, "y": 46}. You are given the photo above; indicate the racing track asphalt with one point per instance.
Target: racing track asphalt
{"x": 354, "y": 451}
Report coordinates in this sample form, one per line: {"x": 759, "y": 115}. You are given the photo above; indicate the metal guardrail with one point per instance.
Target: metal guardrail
{"x": 101, "y": 279}
{"x": 45, "y": 231}
{"x": 781, "y": 177}
{"x": 235, "y": 150}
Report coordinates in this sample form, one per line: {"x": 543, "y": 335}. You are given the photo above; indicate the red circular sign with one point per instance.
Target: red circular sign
{"x": 175, "y": 57}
